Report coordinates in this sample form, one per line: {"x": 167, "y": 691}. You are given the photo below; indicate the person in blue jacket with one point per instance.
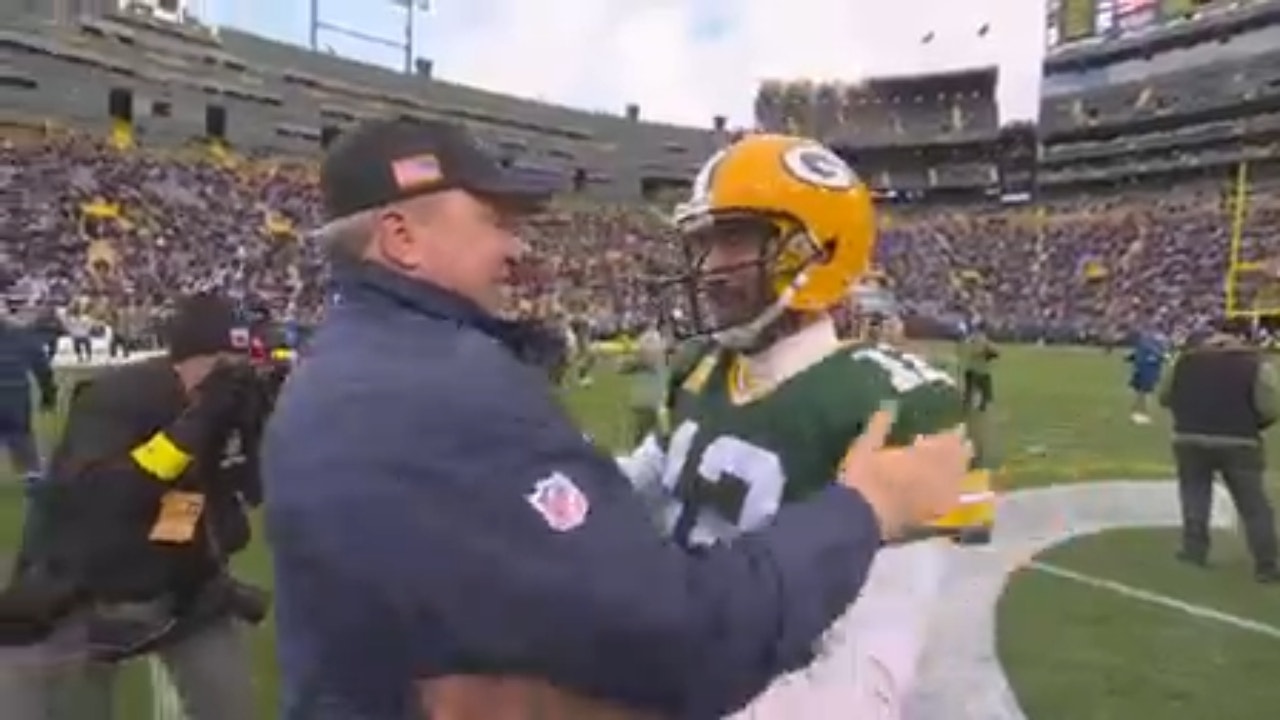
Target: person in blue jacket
{"x": 446, "y": 543}
{"x": 1146, "y": 361}
{"x": 22, "y": 358}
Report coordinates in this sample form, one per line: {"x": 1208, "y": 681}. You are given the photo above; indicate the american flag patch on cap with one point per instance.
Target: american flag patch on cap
{"x": 416, "y": 171}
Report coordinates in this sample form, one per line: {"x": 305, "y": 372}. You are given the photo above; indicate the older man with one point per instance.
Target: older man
{"x": 446, "y": 542}
{"x": 1222, "y": 394}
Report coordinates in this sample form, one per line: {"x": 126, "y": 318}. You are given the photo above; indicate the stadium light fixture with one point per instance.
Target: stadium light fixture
{"x": 411, "y": 10}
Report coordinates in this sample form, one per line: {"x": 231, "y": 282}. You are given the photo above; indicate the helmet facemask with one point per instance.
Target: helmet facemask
{"x": 740, "y": 272}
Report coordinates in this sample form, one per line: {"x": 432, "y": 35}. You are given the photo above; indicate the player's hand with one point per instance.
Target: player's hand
{"x": 908, "y": 486}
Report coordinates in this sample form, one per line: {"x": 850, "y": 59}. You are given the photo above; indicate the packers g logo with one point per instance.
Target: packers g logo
{"x": 816, "y": 165}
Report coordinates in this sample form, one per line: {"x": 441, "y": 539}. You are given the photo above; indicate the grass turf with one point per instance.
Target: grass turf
{"x": 1076, "y": 652}
{"x": 1072, "y": 651}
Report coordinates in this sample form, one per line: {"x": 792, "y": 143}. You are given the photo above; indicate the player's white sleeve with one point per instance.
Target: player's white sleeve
{"x": 645, "y": 465}
{"x": 871, "y": 656}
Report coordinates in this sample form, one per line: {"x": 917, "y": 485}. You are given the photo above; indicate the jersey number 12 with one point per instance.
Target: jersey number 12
{"x": 729, "y": 459}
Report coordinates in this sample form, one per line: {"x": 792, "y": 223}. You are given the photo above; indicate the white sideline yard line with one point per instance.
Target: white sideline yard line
{"x": 1154, "y": 598}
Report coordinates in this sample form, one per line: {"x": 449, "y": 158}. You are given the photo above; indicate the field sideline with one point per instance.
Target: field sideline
{"x": 1073, "y": 650}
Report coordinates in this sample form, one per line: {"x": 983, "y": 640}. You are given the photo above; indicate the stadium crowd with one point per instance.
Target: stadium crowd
{"x": 104, "y": 233}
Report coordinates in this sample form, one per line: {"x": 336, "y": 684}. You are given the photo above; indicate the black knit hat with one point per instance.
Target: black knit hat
{"x": 202, "y": 324}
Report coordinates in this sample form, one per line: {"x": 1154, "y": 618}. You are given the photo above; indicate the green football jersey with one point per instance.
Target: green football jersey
{"x": 732, "y": 462}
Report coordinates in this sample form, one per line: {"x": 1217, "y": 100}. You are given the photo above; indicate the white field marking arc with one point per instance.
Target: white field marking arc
{"x": 1161, "y": 600}
{"x": 960, "y": 676}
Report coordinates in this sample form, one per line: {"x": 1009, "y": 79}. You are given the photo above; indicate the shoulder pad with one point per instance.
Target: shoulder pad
{"x": 685, "y": 359}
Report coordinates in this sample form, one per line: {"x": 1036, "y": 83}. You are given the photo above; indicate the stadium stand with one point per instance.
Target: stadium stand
{"x": 144, "y": 156}
{"x": 909, "y": 136}
{"x": 1137, "y": 163}
{"x": 130, "y": 75}
{"x": 1183, "y": 118}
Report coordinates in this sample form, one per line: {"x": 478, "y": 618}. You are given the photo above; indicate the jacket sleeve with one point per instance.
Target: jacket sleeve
{"x": 513, "y": 545}
{"x": 94, "y": 486}
{"x": 129, "y": 464}
{"x": 97, "y": 441}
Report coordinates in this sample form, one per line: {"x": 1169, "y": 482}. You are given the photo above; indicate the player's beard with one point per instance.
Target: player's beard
{"x": 736, "y": 301}
{"x": 739, "y": 298}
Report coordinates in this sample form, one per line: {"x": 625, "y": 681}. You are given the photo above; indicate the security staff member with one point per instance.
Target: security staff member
{"x": 1222, "y": 395}
{"x": 446, "y": 543}
{"x": 142, "y": 508}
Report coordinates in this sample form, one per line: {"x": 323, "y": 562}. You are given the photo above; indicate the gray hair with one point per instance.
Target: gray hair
{"x": 347, "y": 236}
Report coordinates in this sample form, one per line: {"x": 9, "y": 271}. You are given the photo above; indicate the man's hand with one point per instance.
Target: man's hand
{"x": 907, "y": 486}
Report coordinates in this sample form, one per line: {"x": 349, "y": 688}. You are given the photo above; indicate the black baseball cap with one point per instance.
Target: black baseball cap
{"x": 383, "y": 161}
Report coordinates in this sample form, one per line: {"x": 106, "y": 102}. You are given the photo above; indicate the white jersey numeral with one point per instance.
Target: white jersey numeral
{"x": 759, "y": 469}
{"x": 906, "y": 371}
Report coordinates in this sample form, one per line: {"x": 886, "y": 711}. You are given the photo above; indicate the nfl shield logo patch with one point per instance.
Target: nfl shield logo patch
{"x": 559, "y": 501}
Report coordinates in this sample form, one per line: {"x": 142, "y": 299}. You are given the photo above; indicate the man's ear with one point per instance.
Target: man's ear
{"x": 392, "y": 238}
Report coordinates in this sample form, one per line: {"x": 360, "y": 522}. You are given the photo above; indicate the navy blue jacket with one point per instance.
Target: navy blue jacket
{"x": 398, "y": 470}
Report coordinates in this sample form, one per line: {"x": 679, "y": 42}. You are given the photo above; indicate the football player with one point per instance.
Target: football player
{"x": 777, "y": 231}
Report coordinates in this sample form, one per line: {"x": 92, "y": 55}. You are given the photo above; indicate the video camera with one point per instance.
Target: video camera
{"x": 269, "y": 361}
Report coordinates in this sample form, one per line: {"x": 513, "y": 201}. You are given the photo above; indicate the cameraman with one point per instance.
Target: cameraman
{"x": 1222, "y": 395}
{"x": 144, "y": 505}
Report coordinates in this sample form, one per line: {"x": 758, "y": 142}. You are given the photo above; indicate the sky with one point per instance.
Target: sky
{"x": 683, "y": 61}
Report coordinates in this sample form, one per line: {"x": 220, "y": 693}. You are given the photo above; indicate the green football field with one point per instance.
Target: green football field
{"x": 1073, "y": 650}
